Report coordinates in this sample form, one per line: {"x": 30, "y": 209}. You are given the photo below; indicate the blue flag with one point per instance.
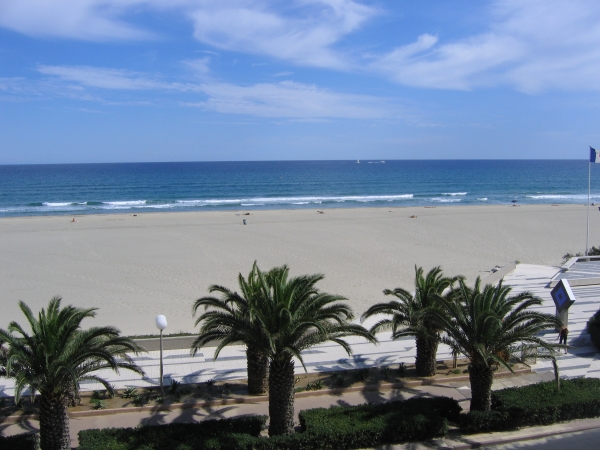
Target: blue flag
{"x": 594, "y": 155}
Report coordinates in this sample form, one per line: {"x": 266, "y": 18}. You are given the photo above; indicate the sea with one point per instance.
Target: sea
{"x": 73, "y": 189}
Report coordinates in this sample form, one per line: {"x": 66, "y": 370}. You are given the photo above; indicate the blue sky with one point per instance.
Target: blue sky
{"x": 210, "y": 80}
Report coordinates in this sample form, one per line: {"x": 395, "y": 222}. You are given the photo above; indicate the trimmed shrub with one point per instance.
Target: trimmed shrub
{"x": 209, "y": 434}
{"x": 323, "y": 429}
{"x": 486, "y": 421}
{"x": 20, "y": 442}
{"x": 537, "y": 404}
{"x": 593, "y": 328}
{"x": 368, "y": 425}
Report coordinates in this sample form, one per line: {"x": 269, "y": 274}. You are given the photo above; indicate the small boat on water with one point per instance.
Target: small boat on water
{"x": 358, "y": 161}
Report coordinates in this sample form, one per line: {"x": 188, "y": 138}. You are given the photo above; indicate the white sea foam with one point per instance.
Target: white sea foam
{"x": 454, "y": 193}
{"x": 126, "y": 203}
{"x": 445, "y": 200}
{"x": 256, "y": 201}
{"x": 159, "y": 206}
{"x": 482, "y": 199}
{"x": 119, "y": 205}
{"x": 561, "y": 196}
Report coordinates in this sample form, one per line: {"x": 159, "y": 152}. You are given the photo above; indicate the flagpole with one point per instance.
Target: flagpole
{"x": 587, "y": 235}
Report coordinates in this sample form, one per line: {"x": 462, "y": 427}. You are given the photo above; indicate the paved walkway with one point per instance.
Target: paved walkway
{"x": 457, "y": 391}
{"x": 582, "y": 360}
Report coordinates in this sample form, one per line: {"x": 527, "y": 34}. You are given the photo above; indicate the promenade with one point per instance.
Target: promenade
{"x": 581, "y": 360}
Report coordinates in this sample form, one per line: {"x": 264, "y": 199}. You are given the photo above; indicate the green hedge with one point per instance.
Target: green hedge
{"x": 369, "y": 425}
{"x": 593, "y": 328}
{"x": 486, "y": 421}
{"x": 209, "y": 434}
{"x": 20, "y": 442}
{"x": 537, "y": 404}
{"x": 323, "y": 429}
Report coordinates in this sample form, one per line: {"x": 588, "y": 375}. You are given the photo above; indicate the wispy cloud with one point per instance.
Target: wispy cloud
{"x": 94, "y": 20}
{"x": 286, "y": 99}
{"x": 110, "y": 78}
{"x": 530, "y": 45}
{"x": 303, "y": 32}
{"x": 200, "y": 66}
{"x": 299, "y": 31}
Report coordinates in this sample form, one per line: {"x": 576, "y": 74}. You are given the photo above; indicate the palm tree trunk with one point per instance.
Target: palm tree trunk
{"x": 426, "y": 360}
{"x": 481, "y": 378}
{"x": 258, "y": 371}
{"x": 54, "y": 424}
{"x": 281, "y": 397}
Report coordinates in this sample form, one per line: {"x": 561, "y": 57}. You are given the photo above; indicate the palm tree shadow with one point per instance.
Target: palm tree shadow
{"x": 195, "y": 377}
{"x": 26, "y": 425}
{"x": 413, "y": 445}
{"x": 190, "y": 415}
{"x": 385, "y": 360}
{"x": 223, "y": 375}
{"x": 157, "y": 418}
{"x": 583, "y": 342}
{"x": 375, "y": 396}
{"x": 187, "y": 415}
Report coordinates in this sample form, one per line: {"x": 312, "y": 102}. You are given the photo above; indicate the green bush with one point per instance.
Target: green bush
{"x": 486, "y": 421}
{"x": 368, "y": 425}
{"x": 209, "y": 434}
{"x": 323, "y": 429}
{"x": 593, "y": 328}
{"x": 20, "y": 442}
{"x": 537, "y": 404}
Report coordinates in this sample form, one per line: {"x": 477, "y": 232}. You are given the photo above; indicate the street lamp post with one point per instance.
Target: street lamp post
{"x": 161, "y": 324}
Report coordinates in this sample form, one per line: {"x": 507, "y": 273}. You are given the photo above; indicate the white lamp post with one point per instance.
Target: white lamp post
{"x": 161, "y": 324}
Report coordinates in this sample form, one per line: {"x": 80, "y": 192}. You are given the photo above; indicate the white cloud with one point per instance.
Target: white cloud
{"x": 109, "y": 78}
{"x": 302, "y": 32}
{"x": 529, "y": 45}
{"x": 199, "y": 66}
{"x": 93, "y": 20}
{"x": 288, "y": 99}
{"x": 532, "y": 45}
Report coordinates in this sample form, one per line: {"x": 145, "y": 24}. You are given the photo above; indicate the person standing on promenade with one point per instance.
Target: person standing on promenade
{"x": 562, "y": 336}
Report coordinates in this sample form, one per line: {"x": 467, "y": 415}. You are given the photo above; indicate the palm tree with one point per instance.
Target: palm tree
{"x": 3, "y": 353}
{"x": 56, "y": 357}
{"x": 488, "y": 327}
{"x": 410, "y": 315}
{"x": 296, "y": 316}
{"x": 230, "y": 321}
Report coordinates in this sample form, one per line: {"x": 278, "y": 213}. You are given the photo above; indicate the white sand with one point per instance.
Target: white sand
{"x": 133, "y": 268}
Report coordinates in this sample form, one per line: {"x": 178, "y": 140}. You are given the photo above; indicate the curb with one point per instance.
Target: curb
{"x": 262, "y": 398}
{"x": 530, "y": 433}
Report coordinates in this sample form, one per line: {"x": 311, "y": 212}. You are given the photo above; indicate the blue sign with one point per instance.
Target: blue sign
{"x": 562, "y": 295}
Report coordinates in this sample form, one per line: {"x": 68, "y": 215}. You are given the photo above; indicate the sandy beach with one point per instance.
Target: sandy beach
{"x": 133, "y": 268}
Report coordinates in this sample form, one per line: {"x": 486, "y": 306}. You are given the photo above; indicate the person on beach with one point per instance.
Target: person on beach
{"x": 244, "y": 221}
{"x": 562, "y": 336}
{"x": 73, "y": 219}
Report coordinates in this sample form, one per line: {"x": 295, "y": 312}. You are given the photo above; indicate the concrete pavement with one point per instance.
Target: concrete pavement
{"x": 454, "y": 390}
{"x": 582, "y": 360}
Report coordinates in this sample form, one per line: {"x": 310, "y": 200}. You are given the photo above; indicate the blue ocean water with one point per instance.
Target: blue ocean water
{"x": 193, "y": 186}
